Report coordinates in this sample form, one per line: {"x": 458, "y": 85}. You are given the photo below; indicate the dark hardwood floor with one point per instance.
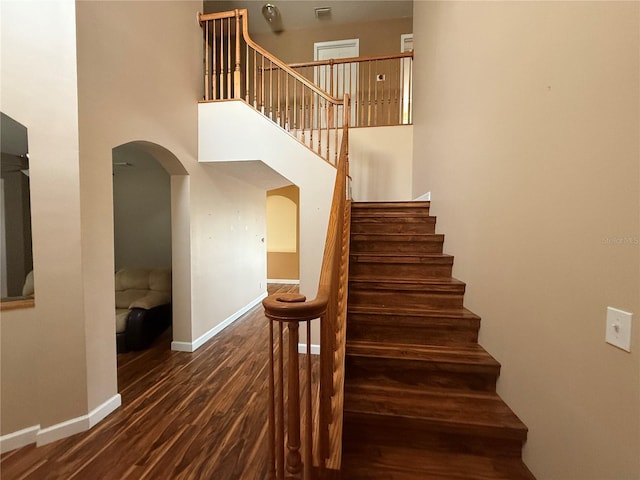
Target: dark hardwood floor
{"x": 183, "y": 416}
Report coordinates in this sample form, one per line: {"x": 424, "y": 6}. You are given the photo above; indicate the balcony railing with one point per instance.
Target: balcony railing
{"x": 380, "y": 87}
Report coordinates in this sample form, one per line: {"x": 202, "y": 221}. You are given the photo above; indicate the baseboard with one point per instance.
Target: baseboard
{"x": 19, "y": 439}
{"x": 315, "y": 349}
{"x": 78, "y": 424}
{"x": 42, "y": 436}
{"x": 201, "y": 340}
{"x": 100, "y": 413}
{"x": 288, "y": 281}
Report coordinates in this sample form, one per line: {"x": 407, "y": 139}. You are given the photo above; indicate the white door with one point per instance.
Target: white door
{"x": 339, "y": 78}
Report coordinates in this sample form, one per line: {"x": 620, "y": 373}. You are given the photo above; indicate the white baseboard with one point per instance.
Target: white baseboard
{"x": 42, "y": 436}
{"x": 78, "y": 424}
{"x": 315, "y": 349}
{"x": 288, "y": 281}
{"x": 423, "y": 198}
{"x": 100, "y": 413}
{"x": 19, "y": 439}
{"x": 201, "y": 340}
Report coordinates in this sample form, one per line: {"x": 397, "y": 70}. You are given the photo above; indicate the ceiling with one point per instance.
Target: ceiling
{"x": 300, "y": 14}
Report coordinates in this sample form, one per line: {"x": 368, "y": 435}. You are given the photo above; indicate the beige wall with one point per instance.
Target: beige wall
{"x": 44, "y": 368}
{"x": 376, "y": 38}
{"x": 380, "y": 163}
{"x": 130, "y": 84}
{"x": 527, "y": 134}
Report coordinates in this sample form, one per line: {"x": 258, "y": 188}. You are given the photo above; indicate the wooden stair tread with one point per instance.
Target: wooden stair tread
{"x": 462, "y": 355}
{"x": 476, "y": 413}
{"x": 448, "y": 284}
{"x": 403, "y": 463}
{"x": 398, "y": 237}
{"x": 413, "y": 258}
{"x": 412, "y": 311}
{"x": 392, "y": 217}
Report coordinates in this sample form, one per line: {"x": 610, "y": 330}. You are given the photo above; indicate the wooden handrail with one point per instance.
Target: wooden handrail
{"x": 372, "y": 58}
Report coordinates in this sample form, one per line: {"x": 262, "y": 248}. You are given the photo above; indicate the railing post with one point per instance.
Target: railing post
{"x": 236, "y": 72}
{"x": 294, "y": 459}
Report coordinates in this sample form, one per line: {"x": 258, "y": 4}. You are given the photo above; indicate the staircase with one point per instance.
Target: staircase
{"x": 420, "y": 399}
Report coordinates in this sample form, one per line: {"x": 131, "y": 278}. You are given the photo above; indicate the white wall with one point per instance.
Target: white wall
{"x": 142, "y": 210}
{"x": 527, "y": 124}
{"x": 381, "y": 160}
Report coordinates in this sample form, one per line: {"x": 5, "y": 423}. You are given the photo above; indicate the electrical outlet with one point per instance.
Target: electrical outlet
{"x": 619, "y": 328}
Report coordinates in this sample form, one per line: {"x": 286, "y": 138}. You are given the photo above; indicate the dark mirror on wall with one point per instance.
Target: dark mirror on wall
{"x": 16, "y": 256}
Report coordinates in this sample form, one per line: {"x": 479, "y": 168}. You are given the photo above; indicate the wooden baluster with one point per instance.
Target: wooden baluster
{"x": 272, "y": 408}
{"x": 255, "y": 79}
{"x": 206, "y": 61}
{"x": 270, "y": 89}
{"x": 311, "y": 119}
{"x": 280, "y": 412}
{"x": 262, "y": 100}
{"x": 221, "y": 79}
{"x": 293, "y": 459}
{"x": 236, "y": 74}
{"x": 375, "y": 97}
{"x": 229, "y": 80}
{"x": 302, "y": 111}
{"x": 329, "y": 127}
{"x": 308, "y": 426}
{"x": 287, "y": 119}
{"x": 246, "y": 75}
{"x": 279, "y": 113}
{"x": 214, "y": 67}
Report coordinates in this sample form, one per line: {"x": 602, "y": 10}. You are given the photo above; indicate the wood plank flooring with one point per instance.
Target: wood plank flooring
{"x": 183, "y": 416}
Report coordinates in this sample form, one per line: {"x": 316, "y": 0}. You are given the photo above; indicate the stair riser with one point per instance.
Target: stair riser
{"x": 357, "y": 212}
{"x": 417, "y": 373}
{"x": 391, "y": 432}
{"x": 411, "y": 247}
{"x": 424, "y": 299}
{"x": 426, "y": 335}
{"x": 396, "y": 207}
{"x": 400, "y": 271}
{"x": 424, "y": 227}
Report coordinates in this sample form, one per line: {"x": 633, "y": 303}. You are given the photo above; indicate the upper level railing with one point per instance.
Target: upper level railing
{"x": 380, "y": 87}
{"x": 237, "y": 68}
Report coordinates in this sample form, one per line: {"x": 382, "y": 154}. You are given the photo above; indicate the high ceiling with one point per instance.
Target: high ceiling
{"x": 300, "y": 14}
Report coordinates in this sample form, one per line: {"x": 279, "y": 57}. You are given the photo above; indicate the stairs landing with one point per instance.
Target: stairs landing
{"x": 420, "y": 393}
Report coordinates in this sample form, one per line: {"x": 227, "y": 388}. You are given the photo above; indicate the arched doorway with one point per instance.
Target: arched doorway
{"x": 151, "y": 219}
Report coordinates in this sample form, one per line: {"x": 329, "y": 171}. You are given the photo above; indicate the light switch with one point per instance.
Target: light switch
{"x": 619, "y": 328}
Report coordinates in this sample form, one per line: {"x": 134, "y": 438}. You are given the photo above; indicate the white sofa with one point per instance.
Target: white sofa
{"x": 143, "y": 306}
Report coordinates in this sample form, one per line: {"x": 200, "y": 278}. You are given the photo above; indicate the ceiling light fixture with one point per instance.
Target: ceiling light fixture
{"x": 270, "y": 12}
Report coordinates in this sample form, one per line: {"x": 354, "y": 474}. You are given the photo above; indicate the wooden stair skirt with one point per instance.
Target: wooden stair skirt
{"x": 420, "y": 393}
